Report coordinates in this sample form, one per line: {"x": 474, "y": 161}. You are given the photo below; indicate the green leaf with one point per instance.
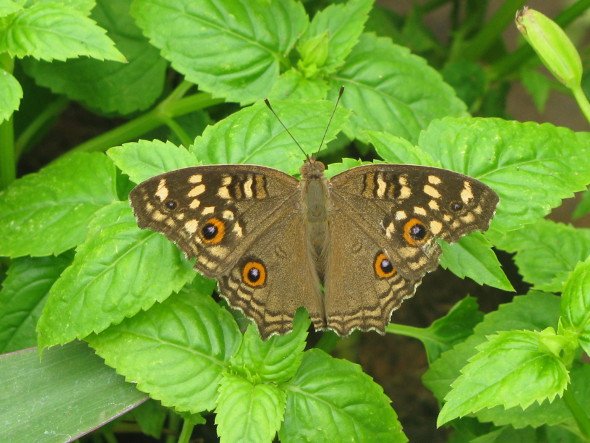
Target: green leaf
{"x": 333, "y": 400}
{"x": 144, "y": 159}
{"x": 537, "y": 85}
{"x": 117, "y": 272}
{"x": 535, "y": 311}
{"x": 83, "y": 6}
{"x": 8, "y": 7}
{"x": 276, "y": 359}
{"x": 510, "y": 369}
{"x": 50, "y": 31}
{"x": 23, "y": 296}
{"x": 575, "y": 304}
{"x": 343, "y": 165}
{"x": 48, "y": 212}
{"x": 468, "y": 79}
{"x": 546, "y": 252}
{"x": 342, "y": 24}
{"x": 583, "y": 207}
{"x": 176, "y": 351}
{"x": 150, "y": 418}
{"x": 11, "y": 94}
{"x": 254, "y": 135}
{"x": 395, "y": 149}
{"x": 248, "y": 412}
{"x": 473, "y": 257}
{"x": 39, "y": 396}
{"x": 536, "y": 415}
{"x": 532, "y": 167}
{"x": 241, "y": 45}
{"x": 293, "y": 85}
{"x": 109, "y": 86}
{"x": 391, "y": 90}
{"x": 446, "y": 331}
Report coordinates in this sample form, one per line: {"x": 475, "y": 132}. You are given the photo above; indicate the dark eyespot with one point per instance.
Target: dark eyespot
{"x": 415, "y": 233}
{"x": 254, "y": 273}
{"x": 383, "y": 266}
{"x": 456, "y": 206}
{"x": 171, "y": 205}
{"x": 213, "y": 231}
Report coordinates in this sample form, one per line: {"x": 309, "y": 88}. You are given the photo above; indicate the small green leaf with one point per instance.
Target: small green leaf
{"x": 176, "y": 352}
{"x": 575, "y": 304}
{"x": 276, "y": 359}
{"x": 23, "y": 296}
{"x": 531, "y": 167}
{"x": 468, "y": 79}
{"x": 11, "y": 94}
{"x": 50, "y": 31}
{"x": 8, "y": 7}
{"x": 248, "y": 412}
{"x": 395, "y": 149}
{"x": 537, "y": 85}
{"x": 535, "y": 311}
{"x": 254, "y": 135}
{"x": 473, "y": 257}
{"x": 150, "y": 418}
{"x": 333, "y": 33}
{"x": 144, "y": 159}
{"x": 241, "y": 46}
{"x": 509, "y": 369}
{"x": 391, "y": 90}
{"x": 333, "y": 400}
{"x": 39, "y": 396}
{"x": 293, "y": 85}
{"x": 109, "y": 86}
{"x": 118, "y": 271}
{"x": 546, "y": 252}
{"x": 583, "y": 207}
{"x": 343, "y": 165}
{"x": 48, "y": 212}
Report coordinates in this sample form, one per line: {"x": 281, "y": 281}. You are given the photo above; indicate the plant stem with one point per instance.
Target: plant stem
{"x": 158, "y": 116}
{"x": 30, "y": 132}
{"x": 405, "y": 330}
{"x": 582, "y": 101}
{"x": 489, "y": 34}
{"x": 579, "y": 414}
{"x": 512, "y": 62}
{"x": 187, "y": 430}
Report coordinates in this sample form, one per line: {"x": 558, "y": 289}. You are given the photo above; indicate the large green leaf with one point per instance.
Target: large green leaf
{"x": 231, "y": 48}
{"x": 109, "y": 86}
{"x": 48, "y": 212}
{"x": 22, "y": 298}
{"x": 333, "y": 400}
{"x": 389, "y": 89}
{"x": 62, "y": 396}
{"x": 176, "y": 351}
{"x": 53, "y": 31}
{"x": 117, "y": 272}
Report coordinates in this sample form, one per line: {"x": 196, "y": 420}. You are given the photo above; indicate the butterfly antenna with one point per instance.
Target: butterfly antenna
{"x": 340, "y": 92}
{"x": 267, "y": 103}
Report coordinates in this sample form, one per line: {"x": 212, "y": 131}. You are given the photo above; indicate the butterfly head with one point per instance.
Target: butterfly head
{"x": 312, "y": 168}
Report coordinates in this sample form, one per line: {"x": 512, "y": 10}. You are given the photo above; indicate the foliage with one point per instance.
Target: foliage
{"x": 76, "y": 266}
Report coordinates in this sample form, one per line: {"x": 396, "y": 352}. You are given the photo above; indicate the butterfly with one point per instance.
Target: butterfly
{"x": 348, "y": 249}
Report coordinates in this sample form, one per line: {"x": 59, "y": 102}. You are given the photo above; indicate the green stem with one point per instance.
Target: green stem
{"x": 405, "y": 330}
{"x": 7, "y": 156}
{"x": 187, "y": 430}
{"x": 578, "y": 412}
{"x": 173, "y": 422}
{"x": 582, "y": 101}
{"x": 489, "y": 34}
{"x": 158, "y": 116}
{"x": 512, "y": 62}
{"x": 30, "y": 132}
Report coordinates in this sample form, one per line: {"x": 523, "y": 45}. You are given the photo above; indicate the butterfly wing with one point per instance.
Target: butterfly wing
{"x": 233, "y": 217}
{"x": 409, "y": 207}
{"x": 384, "y": 223}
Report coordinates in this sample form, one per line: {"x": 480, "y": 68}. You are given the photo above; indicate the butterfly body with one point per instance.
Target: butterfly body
{"x": 349, "y": 249}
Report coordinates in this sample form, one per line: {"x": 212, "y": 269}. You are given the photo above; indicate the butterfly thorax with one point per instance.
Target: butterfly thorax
{"x": 315, "y": 208}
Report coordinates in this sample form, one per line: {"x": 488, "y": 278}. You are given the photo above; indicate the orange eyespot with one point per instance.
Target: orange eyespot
{"x": 415, "y": 233}
{"x": 254, "y": 274}
{"x": 383, "y": 266}
{"x": 213, "y": 231}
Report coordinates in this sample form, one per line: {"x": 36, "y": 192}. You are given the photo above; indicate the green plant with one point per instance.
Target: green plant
{"x": 74, "y": 251}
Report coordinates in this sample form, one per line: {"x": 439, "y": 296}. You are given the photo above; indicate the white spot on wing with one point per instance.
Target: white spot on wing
{"x": 196, "y": 191}
{"x": 162, "y": 192}
{"x": 434, "y": 179}
{"x": 431, "y": 191}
